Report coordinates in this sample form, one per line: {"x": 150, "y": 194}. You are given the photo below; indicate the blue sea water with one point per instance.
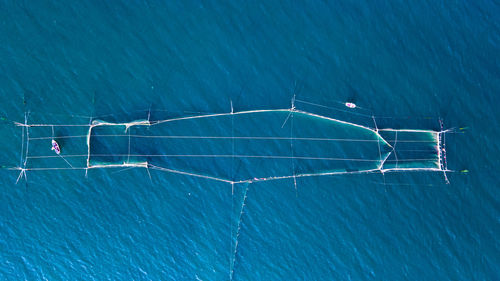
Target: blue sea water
{"x": 409, "y": 60}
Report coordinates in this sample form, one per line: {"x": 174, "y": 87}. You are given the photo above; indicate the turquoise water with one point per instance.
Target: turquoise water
{"x": 410, "y": 61}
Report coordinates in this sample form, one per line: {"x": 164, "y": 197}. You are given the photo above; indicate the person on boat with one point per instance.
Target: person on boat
{"x": 55, "y": 147}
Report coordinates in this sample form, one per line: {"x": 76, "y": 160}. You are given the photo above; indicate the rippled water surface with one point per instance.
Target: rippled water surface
{"x": 413, "y": 62}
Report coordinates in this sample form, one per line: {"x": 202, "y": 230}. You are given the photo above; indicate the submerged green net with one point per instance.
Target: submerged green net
{"x": 259, "y": 145}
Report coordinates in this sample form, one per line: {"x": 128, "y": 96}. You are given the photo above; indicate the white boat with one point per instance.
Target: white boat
{"x": 350, "y": 105}
{"x": 55, "y": 147}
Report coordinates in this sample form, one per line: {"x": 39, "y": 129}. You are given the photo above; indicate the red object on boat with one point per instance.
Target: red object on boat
{"x": 55, "y": 147}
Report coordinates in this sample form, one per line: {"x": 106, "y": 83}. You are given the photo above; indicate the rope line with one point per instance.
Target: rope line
{"x": 229, "y": 156}
{"x": 332, "y": 173}
{"x": 238, "y": 229}
{"x": 333, "y": 108}
{"x": 236, "y": 137}
{"x": 394, "y": 149}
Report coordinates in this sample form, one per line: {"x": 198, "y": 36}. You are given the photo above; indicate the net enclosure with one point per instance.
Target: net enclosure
{"x": 236, "y": 147}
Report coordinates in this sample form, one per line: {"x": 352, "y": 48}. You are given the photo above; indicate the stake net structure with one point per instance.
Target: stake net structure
{"x": 235, "y": 147}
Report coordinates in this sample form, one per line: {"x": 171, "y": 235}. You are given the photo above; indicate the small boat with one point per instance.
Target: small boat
{"x": 55, "y": 147}
{"x": 350, "y": 105}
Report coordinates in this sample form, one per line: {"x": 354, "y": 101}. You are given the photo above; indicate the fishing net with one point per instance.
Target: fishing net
{"x": 235, "y": 147}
